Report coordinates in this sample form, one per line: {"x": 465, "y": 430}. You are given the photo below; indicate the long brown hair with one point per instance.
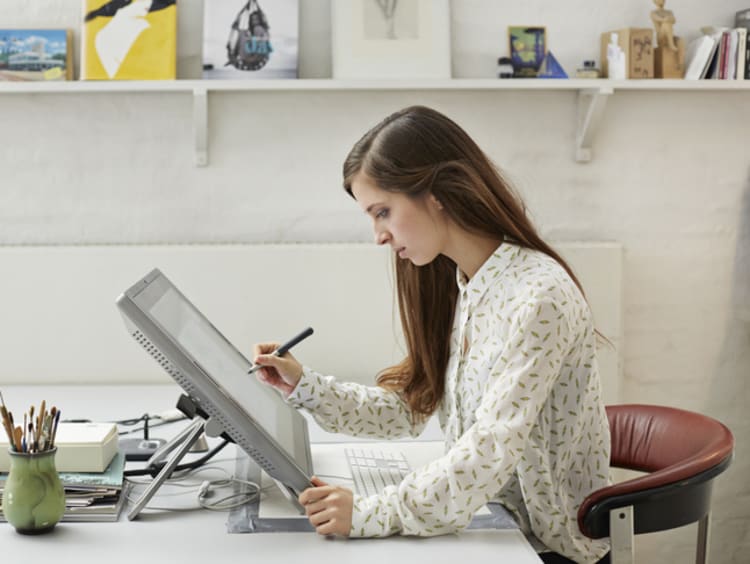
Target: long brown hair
{"x": 419, "y": 151}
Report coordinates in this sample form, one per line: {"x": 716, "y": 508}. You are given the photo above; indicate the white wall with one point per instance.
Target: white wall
{"x": 252, "y": 293}
{"x": 667, "y": 180}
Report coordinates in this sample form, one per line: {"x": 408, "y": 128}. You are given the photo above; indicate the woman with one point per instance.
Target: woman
{"x": 500, "y": 344}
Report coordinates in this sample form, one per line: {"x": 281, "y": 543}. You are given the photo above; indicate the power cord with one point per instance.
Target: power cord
{"x": 161, "y": 419}
{"x": 226, "y": 503}
{"x": 154, "y": 469}
{"x": 207, "y": 489}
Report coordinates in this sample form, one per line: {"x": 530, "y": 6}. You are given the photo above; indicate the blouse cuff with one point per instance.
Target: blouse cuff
{"x": 371, "y": 518}
{"x": 306, "y": 393}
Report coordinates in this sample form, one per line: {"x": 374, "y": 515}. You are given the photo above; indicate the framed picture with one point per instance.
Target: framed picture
{"x": 527, "y": 46}
{"x": 35, "y": 54}
{"x": 250, "y": 39}
{"x": 129, "y": 40}
{"x": 391, "y": 38}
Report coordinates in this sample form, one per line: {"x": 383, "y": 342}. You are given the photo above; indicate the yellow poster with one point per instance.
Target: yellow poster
{"x": 129, "y": 40}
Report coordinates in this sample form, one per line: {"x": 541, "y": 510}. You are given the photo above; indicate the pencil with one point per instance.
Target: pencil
{"x": 6, "y": 423}
{"x": 32, "y": 440}
{"x": 6, "y": 420}
{"x": 47, "y": 431}
{"x": 54, "y": 429}
{"x": 40, "y": 422}
{"x": 52, "y": 414}
{"x": 17, "y": 439}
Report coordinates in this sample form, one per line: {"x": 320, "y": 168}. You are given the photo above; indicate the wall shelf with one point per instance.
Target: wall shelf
{"x": 591, "y": 102}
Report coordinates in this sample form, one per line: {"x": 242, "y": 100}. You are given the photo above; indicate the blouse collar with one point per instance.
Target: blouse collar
{"x": 500, "y": 259}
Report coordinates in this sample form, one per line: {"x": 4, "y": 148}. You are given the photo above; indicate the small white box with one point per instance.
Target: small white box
{"x": 81, "y": 447}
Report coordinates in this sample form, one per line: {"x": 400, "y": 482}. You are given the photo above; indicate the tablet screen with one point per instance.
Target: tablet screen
{"x": 223, "y": 364}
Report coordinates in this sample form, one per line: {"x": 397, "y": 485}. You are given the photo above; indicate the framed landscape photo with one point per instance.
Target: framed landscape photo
{"x": 391, "y": 38}
{"x": 527, "y": 45}
{"x": 35, "y": 54}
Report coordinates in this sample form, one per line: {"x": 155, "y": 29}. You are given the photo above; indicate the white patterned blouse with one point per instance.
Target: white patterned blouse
{"x": 522, "y": 413}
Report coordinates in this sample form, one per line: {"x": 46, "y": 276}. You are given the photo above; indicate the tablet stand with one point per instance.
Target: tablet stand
{"x": 181, "y": 444}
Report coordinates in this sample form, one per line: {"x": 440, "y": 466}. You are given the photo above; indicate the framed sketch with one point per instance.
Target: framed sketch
{"x": 391, "y": 38}
{"x": 528, "y": 45}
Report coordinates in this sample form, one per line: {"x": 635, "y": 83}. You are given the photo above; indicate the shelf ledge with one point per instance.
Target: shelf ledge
{"x": 592, "y": 94}
{"x": 307, "y": 84}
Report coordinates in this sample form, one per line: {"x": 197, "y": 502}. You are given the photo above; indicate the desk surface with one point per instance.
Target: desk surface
{"x": 193, "y": 535}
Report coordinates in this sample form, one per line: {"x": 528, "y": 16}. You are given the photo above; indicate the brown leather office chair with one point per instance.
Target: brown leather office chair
{"x": 682, "y": 452}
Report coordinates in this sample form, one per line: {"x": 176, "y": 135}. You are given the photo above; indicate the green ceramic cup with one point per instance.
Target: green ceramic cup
{"x": 34, "y": 498}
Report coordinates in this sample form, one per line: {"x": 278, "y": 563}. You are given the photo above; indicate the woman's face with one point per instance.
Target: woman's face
{"x": 415, "y": 228}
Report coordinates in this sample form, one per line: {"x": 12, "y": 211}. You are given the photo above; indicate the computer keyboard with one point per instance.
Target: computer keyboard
{"x": 373, "y": 470}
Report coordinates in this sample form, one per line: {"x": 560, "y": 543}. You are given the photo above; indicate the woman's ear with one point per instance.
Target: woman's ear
{"x": 436, "y": 202}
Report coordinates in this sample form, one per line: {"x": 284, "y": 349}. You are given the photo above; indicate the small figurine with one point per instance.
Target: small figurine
{"x": 615, "y": 59}
{"x": 664, "y": 21}
{"x": 669, "y": 54}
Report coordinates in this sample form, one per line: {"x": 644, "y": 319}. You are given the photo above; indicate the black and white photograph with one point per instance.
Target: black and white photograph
{"x": 250, "y": 39}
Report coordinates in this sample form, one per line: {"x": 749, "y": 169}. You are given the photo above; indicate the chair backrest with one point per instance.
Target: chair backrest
{"x": 679, "y": 449}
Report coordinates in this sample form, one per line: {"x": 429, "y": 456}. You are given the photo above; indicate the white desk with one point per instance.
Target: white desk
{"x": 196, "y": 535}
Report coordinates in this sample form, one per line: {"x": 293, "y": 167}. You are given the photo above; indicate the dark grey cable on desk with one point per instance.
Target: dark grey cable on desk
{"x": 154, "y": 469}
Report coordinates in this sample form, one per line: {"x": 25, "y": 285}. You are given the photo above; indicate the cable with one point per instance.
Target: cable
{"x": 183, "y": 481}
{"x": 154, "y": 469}
{"x": 135, "y": 421}
{"x": 161, "y": 419}
{"x": 205, "y": 489}
{"x": 225, "y": 503}
{"x": 151, "y": 426}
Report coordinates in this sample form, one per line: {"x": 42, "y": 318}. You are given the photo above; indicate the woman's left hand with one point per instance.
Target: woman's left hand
{"x": 329, "y": 508}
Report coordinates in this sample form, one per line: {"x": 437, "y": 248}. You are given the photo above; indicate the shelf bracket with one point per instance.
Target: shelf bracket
{"x": 200, "y": 125}
{"x": 591, "y": 103}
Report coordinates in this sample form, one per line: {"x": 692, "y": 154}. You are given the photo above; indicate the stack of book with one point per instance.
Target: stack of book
{"x": 95, "y": 496}
{"x": 721, "y": 53}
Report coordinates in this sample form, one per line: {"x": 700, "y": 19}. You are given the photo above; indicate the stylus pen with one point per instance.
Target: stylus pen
{"x": 282, "y": 350}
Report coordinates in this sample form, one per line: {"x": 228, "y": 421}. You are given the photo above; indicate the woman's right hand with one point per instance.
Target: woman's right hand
{"x": 281, "y": 372}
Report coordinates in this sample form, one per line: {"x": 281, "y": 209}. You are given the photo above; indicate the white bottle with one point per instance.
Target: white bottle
{"x": 615, "y": 59}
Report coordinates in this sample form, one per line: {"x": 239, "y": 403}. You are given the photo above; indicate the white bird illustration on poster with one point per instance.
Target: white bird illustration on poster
{"x": 116, "y": 38}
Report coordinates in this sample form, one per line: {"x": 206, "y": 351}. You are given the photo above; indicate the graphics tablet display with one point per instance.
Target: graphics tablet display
{"x": 214, "y": 374}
